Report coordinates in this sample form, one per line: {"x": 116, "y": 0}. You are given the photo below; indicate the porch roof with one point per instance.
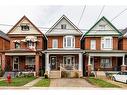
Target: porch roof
{"x": 20, "y": 54}
{"x": 71, "y": 51}
{"x": 117, "y": 53}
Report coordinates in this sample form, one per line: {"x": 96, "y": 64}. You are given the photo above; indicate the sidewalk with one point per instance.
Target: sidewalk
{"x": 32, "y": 82}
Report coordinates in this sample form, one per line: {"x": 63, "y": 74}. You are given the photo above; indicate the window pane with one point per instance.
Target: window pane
{"x": 69, "y": 42}
{"x": 93, "y": 44}
{"x": 55, "y": 43}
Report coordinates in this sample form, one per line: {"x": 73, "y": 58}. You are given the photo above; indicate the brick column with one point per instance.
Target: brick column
{"x": 3, "y": 62}
{"x": 37, "y": 64}
{"x": 89, "y": 66}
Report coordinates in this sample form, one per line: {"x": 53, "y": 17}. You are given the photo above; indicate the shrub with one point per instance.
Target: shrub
{"x": 46, "y": 75}
{"x": 76, "y": 75}
{"x": 30, "y": 74}
{"x": 64, "y": 74}
{"x": 1, "y": 72}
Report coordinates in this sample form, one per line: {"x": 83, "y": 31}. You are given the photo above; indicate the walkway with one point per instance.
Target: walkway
{"x": 70, "y": 83}
{"x": 32, "y": 82}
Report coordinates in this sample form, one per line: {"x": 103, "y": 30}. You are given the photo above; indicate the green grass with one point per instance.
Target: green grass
{"x": 17, "y": 81}
{"x": 101, "y": 83}
{"x": 43, "y": 83}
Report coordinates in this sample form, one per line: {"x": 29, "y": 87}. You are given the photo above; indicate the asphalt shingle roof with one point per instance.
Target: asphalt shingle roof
{"x": 3, "y": 35}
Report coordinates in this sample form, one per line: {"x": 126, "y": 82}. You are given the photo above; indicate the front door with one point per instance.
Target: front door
{"x": 53, "y": 62}
{"x": 69, "y": 63}
{"x": 15, "y": 63}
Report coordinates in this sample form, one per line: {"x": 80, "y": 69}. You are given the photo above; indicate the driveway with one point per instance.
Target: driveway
{"x": 66, "y": 82}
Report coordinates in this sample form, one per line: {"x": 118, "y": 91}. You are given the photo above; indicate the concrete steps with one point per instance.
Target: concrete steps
{"x": 55, "y": 74}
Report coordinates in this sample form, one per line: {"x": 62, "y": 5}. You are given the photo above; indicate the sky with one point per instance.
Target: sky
{"x": 47, "y": 15}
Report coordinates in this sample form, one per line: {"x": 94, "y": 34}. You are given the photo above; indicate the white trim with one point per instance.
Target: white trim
{"x": 15, "y": 63}
{"x": 65, "y": 46}
{"x": 91, "y": 44}
{"x": 103, "y": 39}
{"x": 58, "y": 21}
{"x": 107, "y": 54}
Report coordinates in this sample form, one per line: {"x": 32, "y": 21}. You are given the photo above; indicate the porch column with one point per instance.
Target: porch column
{"x": 123, "y": 66}
{"x": 89, "y": 65}
{"x": 47, "y": 65}
{"x": 37, "y": 64}
{"x": 80, "y": 64}
{"x": 3, "y": 62}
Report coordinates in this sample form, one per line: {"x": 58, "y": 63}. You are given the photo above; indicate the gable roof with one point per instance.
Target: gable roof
{"x": 24, "y": 17}
{"x": 63, "y": 17}
{"x": 103, "y": 18}
{"x": 3, "y": 35}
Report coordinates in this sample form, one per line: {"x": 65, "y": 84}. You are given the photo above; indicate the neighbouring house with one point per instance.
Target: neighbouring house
{"x": 4, "y": 45}
{"x": 100, "y": 44}
{"x": 26, "y": 45}
{"x": 123, "y": 45}
{"x": 63, "y": 54}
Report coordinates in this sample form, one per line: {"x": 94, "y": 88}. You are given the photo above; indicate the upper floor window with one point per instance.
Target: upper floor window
{"x": 55, "y": 43}
{"x": 31, "y": 44}
{"x": 69, "y": 41}
{"x": 63, "y": 26}
{"x": 106, "y": 43}
{"x": 17, "y": 45}
{"x": 93, "y": 44}
{"x": 25, "y": 27}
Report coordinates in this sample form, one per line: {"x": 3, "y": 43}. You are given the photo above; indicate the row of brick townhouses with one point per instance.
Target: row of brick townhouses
{"x": 63, "y": 48}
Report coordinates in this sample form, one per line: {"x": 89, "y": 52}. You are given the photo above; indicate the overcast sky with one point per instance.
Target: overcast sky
{"x": 46, "y": 16}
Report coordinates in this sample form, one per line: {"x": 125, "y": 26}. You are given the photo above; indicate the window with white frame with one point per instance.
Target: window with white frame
{"x": 31, "y": 44}
{"x": 69, "y": 42}
{"x": 106, "y": 63}
{"x": 63, "y": 26}
{"x": 25, "y": 27}
{"x": 93, "y": 44}
{"x": 17, "y": 45}
{"x": 55, "y": 43}
{"x": 106, "y": 43}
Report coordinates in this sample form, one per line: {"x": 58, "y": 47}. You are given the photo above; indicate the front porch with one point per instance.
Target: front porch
{"x": 59, "y": 63}
{"x": 105, "y": 61}
{"x": 24, "y": 62}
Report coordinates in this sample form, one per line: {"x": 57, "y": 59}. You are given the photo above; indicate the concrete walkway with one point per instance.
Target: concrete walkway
{"x": 77, "y": 82}
{"x": 32, "y": 82}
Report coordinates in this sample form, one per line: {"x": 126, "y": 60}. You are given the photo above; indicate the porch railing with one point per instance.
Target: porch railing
{"x": 68, "y": 67}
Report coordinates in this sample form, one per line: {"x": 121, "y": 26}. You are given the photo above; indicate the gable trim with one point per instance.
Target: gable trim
{"x": 24, "y": 17}
{"x": 98, "y": 22}
{"x": 75, "y": 27}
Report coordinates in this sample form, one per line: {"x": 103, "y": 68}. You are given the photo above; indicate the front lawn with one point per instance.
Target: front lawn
{"x": 101, "y": 83}
{"x": 43, "y": 83}
{"x": 17, "y": 81}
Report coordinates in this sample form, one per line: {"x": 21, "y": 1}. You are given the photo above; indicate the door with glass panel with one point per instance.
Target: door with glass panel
{"x": 15, "y": 63}
{"x": 53, "y": 63}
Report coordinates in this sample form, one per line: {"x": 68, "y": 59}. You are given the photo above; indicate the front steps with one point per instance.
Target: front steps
{"x": 54, "y": 74}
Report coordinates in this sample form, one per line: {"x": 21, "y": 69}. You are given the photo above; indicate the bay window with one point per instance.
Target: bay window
{"x": 106, "y": 43}
{"x": 69, "y": 42}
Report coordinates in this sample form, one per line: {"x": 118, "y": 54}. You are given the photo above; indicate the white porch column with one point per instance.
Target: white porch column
{"x": 47, "y": 65}
{"x": 123, "y": 63}
{"x": 80, "y": 66}
{"x": 89, "y": 60}
{"x": 80, "y": 62}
